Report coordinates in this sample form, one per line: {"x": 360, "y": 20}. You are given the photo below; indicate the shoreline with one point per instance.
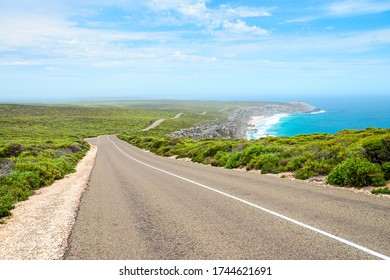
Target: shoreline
{"x": 253, "y": 121}
{"x": 261, "y": 124}
{"x": 237, "y": 124}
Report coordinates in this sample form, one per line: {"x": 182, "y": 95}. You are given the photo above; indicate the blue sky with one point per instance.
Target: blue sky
{"x": 193, "y": 49}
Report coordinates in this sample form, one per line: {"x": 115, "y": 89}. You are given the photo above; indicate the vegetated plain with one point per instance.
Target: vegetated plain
{"x": 40, "y": 144}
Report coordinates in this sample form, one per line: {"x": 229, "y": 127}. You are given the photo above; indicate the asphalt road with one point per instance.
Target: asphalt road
{"x": 141, "y": 206}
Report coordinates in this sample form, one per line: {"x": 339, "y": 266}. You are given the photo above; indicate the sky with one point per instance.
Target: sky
{"x": 193, "y": 49}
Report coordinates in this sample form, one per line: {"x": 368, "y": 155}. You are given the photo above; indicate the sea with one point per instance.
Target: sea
{"x": 334, "y": 114}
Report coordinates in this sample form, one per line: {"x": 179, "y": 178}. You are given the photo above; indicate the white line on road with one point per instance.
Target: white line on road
{"x": 327, "y": 234}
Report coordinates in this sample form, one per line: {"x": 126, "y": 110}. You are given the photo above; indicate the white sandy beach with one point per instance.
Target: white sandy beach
{"x": 252, "y": 124}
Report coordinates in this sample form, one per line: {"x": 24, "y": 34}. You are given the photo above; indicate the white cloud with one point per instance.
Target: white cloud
{"x": 353, "y": 7}
{"x": 245, "y": 12}
{"x": 301, "y": 19}
{"x": 197, "y": 12}
{"x": 21, "y": 63}
{"x": 344, "y": 8}
{"x": 241, "y": 27}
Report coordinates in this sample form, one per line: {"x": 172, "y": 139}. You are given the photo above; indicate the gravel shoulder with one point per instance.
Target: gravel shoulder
{"x": 39, "y": 227}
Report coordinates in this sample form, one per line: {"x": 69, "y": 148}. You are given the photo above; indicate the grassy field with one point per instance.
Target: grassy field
{"x": 43, "y": 143}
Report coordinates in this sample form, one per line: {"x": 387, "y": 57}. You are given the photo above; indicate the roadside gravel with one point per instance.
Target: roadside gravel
{"x": 39, "y": 227}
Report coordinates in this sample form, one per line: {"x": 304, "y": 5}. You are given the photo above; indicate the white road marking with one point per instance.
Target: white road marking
{"x": 327, "y": 234}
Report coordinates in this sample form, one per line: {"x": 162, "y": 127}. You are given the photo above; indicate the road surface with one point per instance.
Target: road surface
{"x": 141, "y": 206}
{"x": 153, "y": 125}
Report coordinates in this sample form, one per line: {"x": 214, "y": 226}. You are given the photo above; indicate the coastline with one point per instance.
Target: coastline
{"x": 242, "y": 120}
{"x": 264, "y": 126}
{"x": 253, "y": 121}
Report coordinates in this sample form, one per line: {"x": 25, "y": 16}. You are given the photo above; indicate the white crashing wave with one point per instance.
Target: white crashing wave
{"x": 317, "y": 112}
{"x": 261, "y": 129}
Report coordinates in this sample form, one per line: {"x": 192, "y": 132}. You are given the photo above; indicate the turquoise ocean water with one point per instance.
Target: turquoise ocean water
{"x": 336, "y": 114}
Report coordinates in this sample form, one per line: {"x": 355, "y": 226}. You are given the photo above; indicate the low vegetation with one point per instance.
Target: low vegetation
{"x": 40, "y": 144}
{"x": 352, "y": 158}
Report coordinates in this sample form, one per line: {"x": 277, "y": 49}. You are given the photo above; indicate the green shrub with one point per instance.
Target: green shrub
{"x": 385, "y": 190}
{"x": 215, "y": 148}
{"x": 356, "y": 172}
{"x": 318, "y": 167}
{"x": 377, "y": 149}
{"x": 259, "y": 161}
{"x": 386, "y": 170}
{"x": 303, "y": 174}
{"x": 220, "y": 159}
{"x": 234, "y": 160}
{"x": 6, "y": 204}
{"x": 295, "y": 163}
{"x": 269, "y": 167}
{"x": 252, "y": 151}
{"x": 12, "y": 150}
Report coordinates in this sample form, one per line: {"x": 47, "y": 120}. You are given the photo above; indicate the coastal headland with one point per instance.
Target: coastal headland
{"x": 241, "y": 120}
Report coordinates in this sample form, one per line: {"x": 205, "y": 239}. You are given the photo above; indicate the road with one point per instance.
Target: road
{"x": 142, "y": 206}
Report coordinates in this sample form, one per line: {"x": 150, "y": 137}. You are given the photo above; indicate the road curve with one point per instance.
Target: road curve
{"x": 153, "y": 125}
{"x": 141, "y": 206}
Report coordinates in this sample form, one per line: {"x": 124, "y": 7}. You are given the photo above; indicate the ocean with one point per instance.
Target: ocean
{"x": 336, "y": 114}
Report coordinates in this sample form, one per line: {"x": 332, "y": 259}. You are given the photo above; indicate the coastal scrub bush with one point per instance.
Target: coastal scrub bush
{"x": 220, "y": 159}
{"x": 6, "y": 204}
{"x": 256, "y": 150}
{"x": 259, "y": 161}
{"x": 377, "y": 149}
{"x": 299, "y": 161}
{"x": 252, "y": 151}
{"x": 303, "y": 174}
{"x": 234, "y": 160}
{"x": 269, "y": 167}
{"x": 386, "y": 170}
{"x": 12, "y": 150}
{"x": 384, "y": 190}
{"x": 211, "y": 150}
{"x": 356, "y": 172}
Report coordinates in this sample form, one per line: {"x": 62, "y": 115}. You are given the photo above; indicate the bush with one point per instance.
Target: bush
{"x": 296, "y": 163}
{"x": 377, "y": 150}
{"x": 260, "y": 161}
{"x": 269, "y": 168}
{"x": 6, "y": 204}
{"x": 234, "y": 161}
{"x": 220, "y": 159}
{"x": 12, "y": 150}
{"x": 386, "y": 170}
{"x": 385, "y": 190}
{"x": 356, "y": 172}
{"x": 303, "y": 174}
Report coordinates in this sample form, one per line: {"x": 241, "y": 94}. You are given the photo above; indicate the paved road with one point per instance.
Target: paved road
{"x": 141, "y": 206}
{"x": 153, "y": 125}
